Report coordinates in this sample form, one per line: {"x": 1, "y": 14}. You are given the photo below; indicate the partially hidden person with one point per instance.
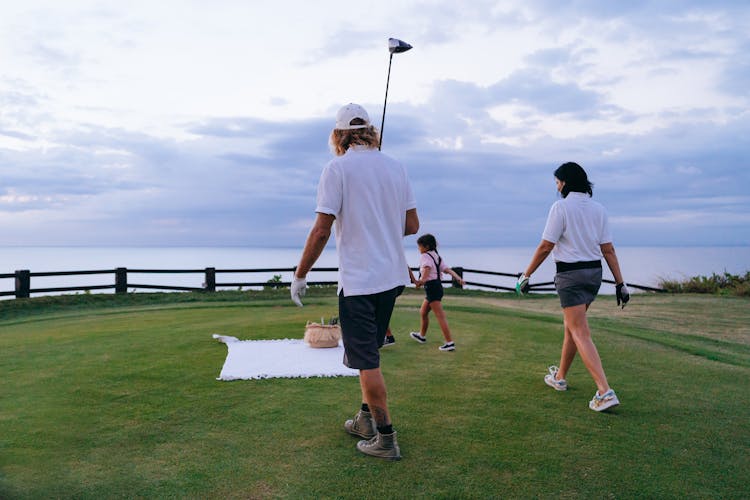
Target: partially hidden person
{"x": 431, "y": 266}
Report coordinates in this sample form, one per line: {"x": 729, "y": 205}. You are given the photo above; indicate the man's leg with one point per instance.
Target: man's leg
{"x": 384, "y": 445}
{"x": 375, "y": 395}
{"x": 364, "y": 321}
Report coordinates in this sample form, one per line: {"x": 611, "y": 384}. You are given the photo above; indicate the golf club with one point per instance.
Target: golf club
{"x": 395, "y": 46}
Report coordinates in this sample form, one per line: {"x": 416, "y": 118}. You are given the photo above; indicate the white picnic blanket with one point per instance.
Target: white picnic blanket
{"x": 286, "y": 358}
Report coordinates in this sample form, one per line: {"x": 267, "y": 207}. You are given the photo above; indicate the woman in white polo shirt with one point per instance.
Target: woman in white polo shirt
{"x": 577, "y": 234}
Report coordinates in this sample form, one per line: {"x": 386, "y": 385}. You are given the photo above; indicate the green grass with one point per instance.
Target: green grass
{"x": 117, "y": 397}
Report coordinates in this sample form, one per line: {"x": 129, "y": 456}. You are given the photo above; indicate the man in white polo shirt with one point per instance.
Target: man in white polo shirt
{"x": 367, "y": 197}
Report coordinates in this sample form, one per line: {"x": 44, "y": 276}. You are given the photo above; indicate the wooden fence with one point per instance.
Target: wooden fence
{"x": 23, "y": 288}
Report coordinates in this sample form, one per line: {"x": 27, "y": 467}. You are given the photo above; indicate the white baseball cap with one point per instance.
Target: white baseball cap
{"x": 350, "y": 112}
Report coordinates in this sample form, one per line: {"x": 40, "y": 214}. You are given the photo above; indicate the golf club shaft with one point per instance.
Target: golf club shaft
{"x": 387, "y": 82}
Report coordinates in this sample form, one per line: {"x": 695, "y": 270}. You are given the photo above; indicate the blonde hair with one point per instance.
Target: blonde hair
{"x": 341, "y": 140}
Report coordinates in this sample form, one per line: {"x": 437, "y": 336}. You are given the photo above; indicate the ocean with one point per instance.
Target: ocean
{"x": 645, "y": 266}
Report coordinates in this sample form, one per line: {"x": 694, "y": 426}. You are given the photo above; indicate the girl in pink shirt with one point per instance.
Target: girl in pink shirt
{"x": 431, "y": 265}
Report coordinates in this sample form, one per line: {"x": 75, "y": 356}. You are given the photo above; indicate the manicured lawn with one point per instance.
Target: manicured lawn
{"x": 117, "y": 397}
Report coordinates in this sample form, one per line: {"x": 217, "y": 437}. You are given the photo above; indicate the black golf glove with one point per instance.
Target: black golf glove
{"x": 623, "y": 295}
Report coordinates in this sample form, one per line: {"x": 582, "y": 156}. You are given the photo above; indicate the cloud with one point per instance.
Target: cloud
{"x": 343, "y": 43}
{"x": 649, "y": 97}
{"x": 537, "y": 90}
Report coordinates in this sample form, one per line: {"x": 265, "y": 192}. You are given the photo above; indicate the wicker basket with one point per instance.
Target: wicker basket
{"x": 317, "y": 335}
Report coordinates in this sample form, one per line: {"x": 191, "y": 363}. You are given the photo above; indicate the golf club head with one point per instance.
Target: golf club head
{"x": 396, "y": 46}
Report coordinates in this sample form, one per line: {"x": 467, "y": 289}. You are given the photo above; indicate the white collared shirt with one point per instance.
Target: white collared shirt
{"x": 577, "y": 225}
{"x": 369, "y": 193}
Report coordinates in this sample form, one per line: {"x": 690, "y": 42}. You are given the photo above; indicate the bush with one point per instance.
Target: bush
{"x": 725, "y": 284}
{"x": 274, "y": 282}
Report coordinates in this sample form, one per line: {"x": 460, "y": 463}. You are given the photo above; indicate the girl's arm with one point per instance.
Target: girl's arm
{"x": 424, "y": 270}
{"x": 455, "y": 275}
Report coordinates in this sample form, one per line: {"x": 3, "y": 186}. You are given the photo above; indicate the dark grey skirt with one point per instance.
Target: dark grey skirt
{"x": 578, "y": 287}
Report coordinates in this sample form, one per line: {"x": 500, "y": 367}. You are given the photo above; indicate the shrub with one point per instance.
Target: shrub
{"x": 274, "y": 282}
{"x": 726, "y": 283}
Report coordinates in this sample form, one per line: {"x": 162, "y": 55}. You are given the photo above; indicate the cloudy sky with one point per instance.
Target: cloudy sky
{"x": 207, "y": 123}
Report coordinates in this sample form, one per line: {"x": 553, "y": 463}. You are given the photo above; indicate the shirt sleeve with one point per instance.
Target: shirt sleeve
{"x": 443, "y": 265}
{"x": 411, "y": 200}
{"x": 425, "y": 261}
{"x": 330, "y": 192}
{"x": 555, "y": 226}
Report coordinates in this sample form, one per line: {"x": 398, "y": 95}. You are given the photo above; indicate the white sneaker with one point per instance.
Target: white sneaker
{"x": 416, "y": 336}
{"x": 606, "y": 400}
{"x": 448, "y": 346}
{"x": 551, "y": 379}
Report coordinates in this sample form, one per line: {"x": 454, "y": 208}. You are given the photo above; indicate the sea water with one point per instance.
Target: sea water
{"x": 646, "y": 266}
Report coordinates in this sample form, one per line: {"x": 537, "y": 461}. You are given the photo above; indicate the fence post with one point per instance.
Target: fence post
{"x": 23, "y": 284}
{"x": 121, "y": 280}
{"x": 460, "y": 272}
{"x": 210, "y": 282}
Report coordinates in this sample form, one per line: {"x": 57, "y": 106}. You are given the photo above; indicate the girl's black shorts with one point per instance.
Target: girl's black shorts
{"x": 433, "y": 290}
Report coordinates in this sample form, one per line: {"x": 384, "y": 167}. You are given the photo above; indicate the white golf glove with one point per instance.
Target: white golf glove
{"x": 522, "y": 285}
{"x": 298, "y": 289}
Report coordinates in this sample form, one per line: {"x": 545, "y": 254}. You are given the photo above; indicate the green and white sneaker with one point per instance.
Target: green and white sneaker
{"x": 551, "y": 379}
{"x": 606, "y": 400}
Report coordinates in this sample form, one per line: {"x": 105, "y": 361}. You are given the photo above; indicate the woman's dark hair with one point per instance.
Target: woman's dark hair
{"x": 575, "y": 179}
{"x": 428, "y": 241}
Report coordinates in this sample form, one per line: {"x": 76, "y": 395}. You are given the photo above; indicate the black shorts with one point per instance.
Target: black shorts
{"x": 364, "y": 320}
{"x": 433, "y": 290}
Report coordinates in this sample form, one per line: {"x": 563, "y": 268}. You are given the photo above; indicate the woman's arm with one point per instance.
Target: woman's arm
{"x": 541, "y": 253}
{"x": 608, "y": 251}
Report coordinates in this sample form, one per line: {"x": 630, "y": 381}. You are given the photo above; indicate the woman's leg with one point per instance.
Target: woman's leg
{"x": 437, "y": 308}
{"x": 424, "y": 312}
{"x": 568, "y": 352}
{"x": 578, "y": 326}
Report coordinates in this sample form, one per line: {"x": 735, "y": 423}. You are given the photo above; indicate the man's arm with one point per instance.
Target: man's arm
{"x": 316, "y": 242}
{"x": 411, "y": 276}
{"x": 412, "y": 222}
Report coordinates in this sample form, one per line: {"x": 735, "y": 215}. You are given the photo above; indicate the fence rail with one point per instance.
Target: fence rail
{"x": 121, "y": 284}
